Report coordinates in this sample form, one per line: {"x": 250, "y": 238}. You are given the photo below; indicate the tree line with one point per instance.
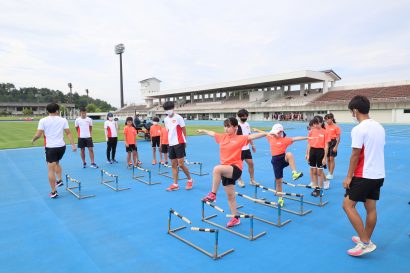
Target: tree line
{"x": 9, "y": 93}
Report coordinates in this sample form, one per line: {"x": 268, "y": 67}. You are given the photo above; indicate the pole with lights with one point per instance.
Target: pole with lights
{"x": 119, "y": 49}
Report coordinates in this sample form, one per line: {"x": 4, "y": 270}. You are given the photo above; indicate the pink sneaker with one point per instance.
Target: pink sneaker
{"x": 189, "y": 184}
{"x": 361, "y": 249}
{"x": 233, "y": 222}
{"x": 211, "y": 197}
{"x": 173, "y": 187}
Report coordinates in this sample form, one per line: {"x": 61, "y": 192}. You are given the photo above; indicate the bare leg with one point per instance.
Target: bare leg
{"x": 313, "y": 171}
{"x": 331, "y": 164}
{"x": 174, "y": 163}
{"x": 251, "y": 168}
{"x": 51, "y": 175}
{"x": 291, "y": 160}
{"x": 91, "y": 152}
{"x": 154, "y": 154}
{"x": 82, "y": 153}
{"x": 58, "y": 171}
{"x": 230, "y": 192}
{"x": 135, "y": 158}
{"x": 218, "y": 172}
{"x": 128, "y": 157}
{"x": 371, "y": 217}
{"x": 181, "y": 163}
{"x": 349, "y": 207}
{"x": 320, "y": 175}
{"x": 279, "y": 184}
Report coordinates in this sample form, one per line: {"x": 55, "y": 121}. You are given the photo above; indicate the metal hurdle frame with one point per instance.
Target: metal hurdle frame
{"x": 71, "y": 189}
{"x": 200, "y": 173}
{"x": 251, "y": 235}
{"x": 106, "y": 182}
{"x": 140, "y": 177}
{"x": 172, "y": 232}
{"x": 165, "y": 173}
{"x": 278, "y": 223}
{"x": 321, "y": 202}
{"x": 301, "y": 211}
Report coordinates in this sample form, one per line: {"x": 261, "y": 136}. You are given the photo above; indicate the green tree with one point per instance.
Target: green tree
{"x": 91, "y": 108}
{"x": 27, "y": 111}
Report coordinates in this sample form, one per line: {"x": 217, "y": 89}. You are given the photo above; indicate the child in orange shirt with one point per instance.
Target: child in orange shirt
{"x": 164, "y": 146}
{"x": 230, "y": 169}
{"x": 130, "y": 138}
{"x": 334, "y": 135}
{"x": 155, "y": 134}
{"x": 280, "y": 158}
{"x": 316, "y": 154}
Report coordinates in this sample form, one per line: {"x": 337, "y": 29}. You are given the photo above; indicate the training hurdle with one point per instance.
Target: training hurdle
{"x": 166, "y": 173}
{"x": 199, "y": 173}
{"x": 270, "y": 204}
{"x": 301, "y": 211}
{"x": 140, "y": 177}
{"x": 71, "y": 189}
{"x": 172, "y": 232}
{"x": 115, "y": 179}
{"x": 251, "y": 235}
{"x": 321, "y": 203}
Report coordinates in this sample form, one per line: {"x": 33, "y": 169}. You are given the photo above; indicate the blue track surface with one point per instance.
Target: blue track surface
{"x": 127, "y": 231}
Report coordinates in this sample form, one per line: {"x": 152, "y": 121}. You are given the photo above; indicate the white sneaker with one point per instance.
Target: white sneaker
{"x": 329, "y": 176}
{"x": 326, "y": 184}
{"x": 241, "y": 183}
{"x": 356, "y": 239}
{"x": 360, "y": 249}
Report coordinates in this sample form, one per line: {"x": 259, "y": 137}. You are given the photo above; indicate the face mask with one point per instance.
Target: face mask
{"x": 154, "y": 122}
{"x": 244, "y": 119}
{"x": 110, "y": 118}
{"x": 169, "y": 112}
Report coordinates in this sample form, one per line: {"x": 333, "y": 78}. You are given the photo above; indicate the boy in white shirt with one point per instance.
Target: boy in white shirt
{"x": 84, "y": 126}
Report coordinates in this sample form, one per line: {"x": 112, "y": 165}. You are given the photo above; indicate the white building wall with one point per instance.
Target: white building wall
{"x": 400, "y": 117}
{"x": 383, "y": 116}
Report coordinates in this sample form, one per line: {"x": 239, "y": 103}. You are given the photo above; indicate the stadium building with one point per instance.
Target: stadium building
{"x": 289, "y": 96}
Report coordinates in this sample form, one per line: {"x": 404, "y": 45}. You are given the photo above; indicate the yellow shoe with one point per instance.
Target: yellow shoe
{"x": 281, "y": 202}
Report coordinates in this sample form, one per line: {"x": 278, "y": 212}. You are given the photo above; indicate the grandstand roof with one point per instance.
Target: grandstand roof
{"x": 292, "y": 78}
{"x": 152, "y": 78}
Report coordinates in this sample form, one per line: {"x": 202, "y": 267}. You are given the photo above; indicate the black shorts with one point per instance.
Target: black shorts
{"x": 85, "y": 142}
{"x": 364, "y": 188}
{"x": 177, "y": 151}
{"x": 330, "y": 152}
{"x": 164, "y": 148}
{"x": 54, "y": 154}
{"x": 279, "y": 163}
{"x": 246, "y": 154}
{"x": 155, "y": 140}
{"x": 130, "y": 148}
{"x": 235, "y": 175}
{"x": 316, "y": 157}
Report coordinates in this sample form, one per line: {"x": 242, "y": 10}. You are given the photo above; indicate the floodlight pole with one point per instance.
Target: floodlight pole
{"x": 119, "y": 49}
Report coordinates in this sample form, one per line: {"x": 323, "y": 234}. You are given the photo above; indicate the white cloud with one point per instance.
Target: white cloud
{"x": 183, "y": 43}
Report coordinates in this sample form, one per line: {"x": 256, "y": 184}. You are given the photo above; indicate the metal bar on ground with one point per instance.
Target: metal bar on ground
{"x": 141, "y": 177}
{"x": 107, "y": 182}
{"x": 166, "y": 173}
{"x": 200, "y": 164}
{"x": 321, "y": 203}
{"x": 78, "y": 187}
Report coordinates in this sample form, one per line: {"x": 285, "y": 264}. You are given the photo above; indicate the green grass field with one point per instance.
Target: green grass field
{"x": 20, "y": 134}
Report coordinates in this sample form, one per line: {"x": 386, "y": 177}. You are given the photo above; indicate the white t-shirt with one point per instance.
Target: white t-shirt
{"x": 369, "y": 136}
{"x": 174, "y": 126}
{"x": 83, "y": 127}
{"x": 53, "y": 127}
{"x": 246, "y": 130}
{"x": 111, "y": 128}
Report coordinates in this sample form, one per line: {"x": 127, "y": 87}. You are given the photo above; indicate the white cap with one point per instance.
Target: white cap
{"x": 277, "y": 128}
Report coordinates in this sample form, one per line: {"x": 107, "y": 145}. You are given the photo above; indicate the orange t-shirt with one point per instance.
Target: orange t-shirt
{"x": 278, "y": 145}
{"x": 230, "y": 148}
{"x": 130, "y": 134}
{"x": 333, "y": 131}
{"x": 155, "y": 130}
{"x": 164, "y": 136}
{"x": 320, "y": 138}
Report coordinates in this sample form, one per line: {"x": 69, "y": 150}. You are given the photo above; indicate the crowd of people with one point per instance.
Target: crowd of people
{"x": 362, "y": 183}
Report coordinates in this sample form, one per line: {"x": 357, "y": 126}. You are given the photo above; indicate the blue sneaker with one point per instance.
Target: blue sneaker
{"x": 84, "y": 165}
{"x": 114, "y": 161}
{"x": 93, "y": 165}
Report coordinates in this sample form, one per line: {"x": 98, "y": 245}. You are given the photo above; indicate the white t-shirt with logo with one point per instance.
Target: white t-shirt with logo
{"x": 83, "y": 127}
{"x": 53, "y": 127}
{"x": 174, "y": 126}
{"x": 246, "y": 130}
{"x": 369, "y": 136}
{"x": 111, "y": 128}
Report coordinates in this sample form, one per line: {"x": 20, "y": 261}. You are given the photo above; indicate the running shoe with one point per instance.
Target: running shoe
{"x": 241, "y": 183}
{"x": 233, "y": 222}
{"x": 329, "y": 176}
{"x": 53, "y": 194}
{"x": 109, "y": 162}
{"x": 356, "y": 239}
{"x": 316, "y": 192}
{"x": 84, "y": 165}
{"x": 211, "y": 197}
{"x": 59, "y": 183}
{"x": 173, "y": 187}
{"x": 361, "y": 249}
{"x": 93, "y": 165}
{"x": 154, "y": 162}
{"x": 139, "y": 163}
{"x": 114, "y": 161}
{"x": 189, "y": 184}
{"x": 281, "y": 202}
{"x": 296, "y": 175}
{"x": 326, "y": 184}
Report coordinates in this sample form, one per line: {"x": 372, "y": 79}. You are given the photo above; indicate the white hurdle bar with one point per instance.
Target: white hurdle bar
{"x": 270, "y": 204}
{"x": 251, "y": 235}
{"x": 301, "y": 211}
{"x": 115, "y": 179}
{"x": 321, "y": 203}
{"x": 200, "y": 164}
{"x": 141, "y": 176}
{"x": 172, "y": 232}
{"x": 166, "y": 173}
{"x": 71, "y": 189}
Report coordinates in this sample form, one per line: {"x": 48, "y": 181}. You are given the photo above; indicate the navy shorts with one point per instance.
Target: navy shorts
{"x": 279, "y": 163}
{"x": 177, "y": 151}
{"x": 235, "y": 175}
{"x": 330, "y": 152}
{"x": 164, "y": 148}
{"x": 246, "y": 154}
{"x": 363, "y": 188}
{"x": 54, "y": 154}
{"x": 130, "y": 148}
{"x": 155, "y": 141}
{"x": 316, "y": 157}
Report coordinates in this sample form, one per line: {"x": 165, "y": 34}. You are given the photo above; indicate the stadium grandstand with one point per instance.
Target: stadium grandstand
{"x": 289, "y": 96}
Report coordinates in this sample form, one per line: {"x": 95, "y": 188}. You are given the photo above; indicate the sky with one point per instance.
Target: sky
{"x": 188, "y": 43}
